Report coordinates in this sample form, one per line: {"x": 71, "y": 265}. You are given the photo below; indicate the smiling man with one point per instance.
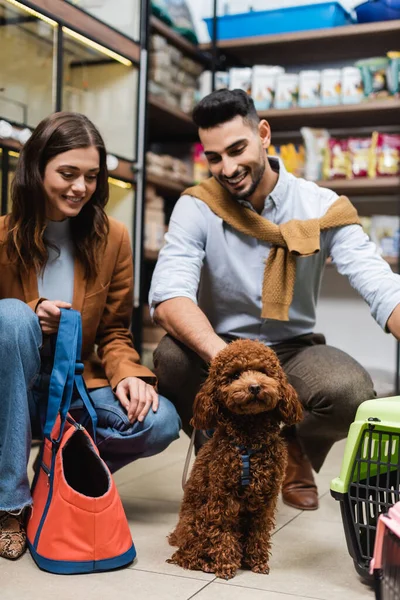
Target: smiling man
{"x": 243, "y": 258}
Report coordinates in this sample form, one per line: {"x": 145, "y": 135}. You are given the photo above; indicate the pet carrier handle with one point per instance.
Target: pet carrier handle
{"x": 67, "y": 374}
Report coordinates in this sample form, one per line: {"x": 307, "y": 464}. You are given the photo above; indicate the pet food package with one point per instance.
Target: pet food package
{"x": 366, "y": 224}
{"x": 331, "y": 87}
{"x": 315, "y": 141}
{"x": 264, "y": 85}
{"x": 292, "y": 156}
{"x": 352, "y": 86}
{"x": 393, "y": 73}
{"x": 201, "y": 170}
{"x": 374, "y": 76}
{"x": 205, "y": 83}
{"x": 287, "y": 90}
{"x": 188, "y": 100}
{"x": 385, "y": 234}
{"x": 359, "y": 156}
{"x": 240, "y": 79}
{"x": 154, "y": 226}
{"x": 336, "y": 159}
{"x": 386, "y": 153}
{"x": 309, "y": 88}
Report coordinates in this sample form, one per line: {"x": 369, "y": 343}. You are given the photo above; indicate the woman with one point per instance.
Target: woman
{"x": 59, "y": 249}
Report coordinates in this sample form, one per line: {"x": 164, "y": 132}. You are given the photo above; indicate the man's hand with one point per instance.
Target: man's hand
{"x": 136, "y": 396}
{"x": 49, "y": 314}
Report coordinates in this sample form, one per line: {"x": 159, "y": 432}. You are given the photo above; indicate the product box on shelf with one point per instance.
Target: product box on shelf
{"x": 386, "y": 155}
{"x": 352, "y": 86}
{"x": 384, "y": 233}
{"x": 331, "y": 87}
{"x": 315, "y": 141}
{"x": 240, "y": 79}
{"x": 172, "y": 76}
{"x": 393, "y": 72}
{"x": 287, "y": 90}
{"x": 264, "y": 85}
{"x": 292, "y": 156}
{"x": 309, "y": 88}
{"x": 204, "y": 86}
{"x": 374, "y": 76}
{"x": 154, "y": 220}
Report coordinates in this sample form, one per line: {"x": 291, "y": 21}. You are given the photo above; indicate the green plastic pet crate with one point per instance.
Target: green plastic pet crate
{"x": 369, "y": 482}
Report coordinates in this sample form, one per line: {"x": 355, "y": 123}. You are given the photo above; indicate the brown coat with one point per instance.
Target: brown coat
{"x": 105, "y": 305}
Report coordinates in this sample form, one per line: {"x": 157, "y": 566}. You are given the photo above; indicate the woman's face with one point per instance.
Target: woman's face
{"x": 70, "y": 179}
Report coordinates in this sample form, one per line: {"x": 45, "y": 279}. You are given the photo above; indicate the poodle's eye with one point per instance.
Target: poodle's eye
{"x": 235, "y": 375}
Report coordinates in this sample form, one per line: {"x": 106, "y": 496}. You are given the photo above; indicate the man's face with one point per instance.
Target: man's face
{"x": 236, "y": 155}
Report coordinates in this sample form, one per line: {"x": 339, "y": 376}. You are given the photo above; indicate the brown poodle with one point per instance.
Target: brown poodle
{"x": 228, "y": 509}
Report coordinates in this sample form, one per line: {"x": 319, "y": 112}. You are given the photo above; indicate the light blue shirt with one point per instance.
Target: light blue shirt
{"x": 57, "y": 280}
{"x": 221, "y": 269}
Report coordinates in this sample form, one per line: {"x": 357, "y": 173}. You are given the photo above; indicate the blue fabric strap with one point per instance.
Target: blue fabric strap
{"x": 245, "y": 454}
{"x": 67, "y": 374}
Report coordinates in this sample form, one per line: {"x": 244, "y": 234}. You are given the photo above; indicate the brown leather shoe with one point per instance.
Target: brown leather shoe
{"x": 299, "y": 489}
{"x": 12, "y": 536}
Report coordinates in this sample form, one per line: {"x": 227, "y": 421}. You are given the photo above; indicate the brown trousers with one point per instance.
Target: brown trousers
{"x": 330, "y": 384}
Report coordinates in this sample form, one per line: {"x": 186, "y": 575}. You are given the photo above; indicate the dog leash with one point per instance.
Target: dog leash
{"x": 208, "y": 433}
{"x": 188, "y": 457}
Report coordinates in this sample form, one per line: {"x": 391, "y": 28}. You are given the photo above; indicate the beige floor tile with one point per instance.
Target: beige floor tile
{"x": 22, "y": 580}
{"x": 33, "y": 455}
{"x": 165, "y": 483}
{"x": 334, "y": 459}
{"x": 161, "y": 484}
{"x": 151, "y": 521}
{"x": 329, "y": 510}
{"x": 174, "y": 453}
{"x": 309, "y": 558}
{"x": 217, "y": 591}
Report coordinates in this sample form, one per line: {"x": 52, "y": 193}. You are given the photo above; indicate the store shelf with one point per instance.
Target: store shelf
{"x": 306, "y": 47}
{"x": 364, "y": 186}
{"x": 169, "y": 124}
{"x": 370, "y": 113}
{"x": 178, "y": 41}
{"x": 167, "y": 186}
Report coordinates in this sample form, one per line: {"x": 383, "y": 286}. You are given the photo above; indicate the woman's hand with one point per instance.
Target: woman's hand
{"x": 136, "y": 396}
{"x": 49, "y": 314}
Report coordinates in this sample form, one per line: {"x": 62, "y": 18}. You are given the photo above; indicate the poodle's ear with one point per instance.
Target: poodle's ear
{"x": 205, "y": 407}
{"x": 289, "y": 406}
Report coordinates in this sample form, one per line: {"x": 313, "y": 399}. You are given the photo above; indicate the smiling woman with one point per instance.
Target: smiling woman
{"x": 58, "y": 249}
{"x": 70, "y": 179}
{"x": 61, "y": 141}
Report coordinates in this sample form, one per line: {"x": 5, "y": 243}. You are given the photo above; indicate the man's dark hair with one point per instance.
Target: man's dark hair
{"x": 224, "y": 105}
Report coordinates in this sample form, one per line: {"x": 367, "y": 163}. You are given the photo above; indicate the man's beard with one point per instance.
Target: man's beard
{"x": 256, "y": 177}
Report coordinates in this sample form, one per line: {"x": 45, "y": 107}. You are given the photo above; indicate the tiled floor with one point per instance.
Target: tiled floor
{"x": 309, "y": 560}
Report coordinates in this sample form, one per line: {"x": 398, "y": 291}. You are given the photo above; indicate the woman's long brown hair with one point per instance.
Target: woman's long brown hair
{"x": 26, "y": 223}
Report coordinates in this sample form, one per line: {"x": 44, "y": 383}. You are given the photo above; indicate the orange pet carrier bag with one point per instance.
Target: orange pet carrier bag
{"x": 77, "y": 523}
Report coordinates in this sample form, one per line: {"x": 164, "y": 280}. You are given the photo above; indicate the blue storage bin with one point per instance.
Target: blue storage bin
{"x": 378, "y": 10}
{"x": 283, "y": 20}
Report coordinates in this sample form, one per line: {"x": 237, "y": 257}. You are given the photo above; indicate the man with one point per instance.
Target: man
{"x": 212, "y": 282}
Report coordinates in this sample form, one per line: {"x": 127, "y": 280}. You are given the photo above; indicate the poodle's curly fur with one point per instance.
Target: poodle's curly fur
{"x": 224, "y": 525}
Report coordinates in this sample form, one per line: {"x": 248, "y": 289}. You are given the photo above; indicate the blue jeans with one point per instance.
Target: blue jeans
{"x": 23, "y": 394}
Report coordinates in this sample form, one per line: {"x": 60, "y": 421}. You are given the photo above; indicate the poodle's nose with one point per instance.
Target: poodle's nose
{"x": 255, "y": 389}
